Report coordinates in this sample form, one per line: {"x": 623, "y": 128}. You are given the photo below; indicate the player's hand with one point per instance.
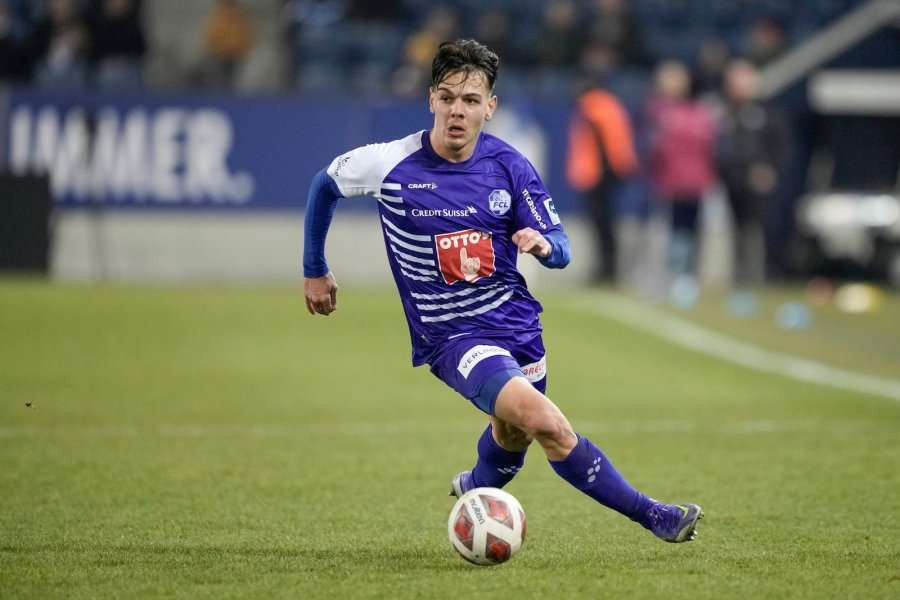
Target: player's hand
{"x": 321, "y": 294}
{"x": 531, "y": 242}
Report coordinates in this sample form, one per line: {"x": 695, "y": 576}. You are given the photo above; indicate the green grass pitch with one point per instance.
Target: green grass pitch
{"x": 221, "y": 443}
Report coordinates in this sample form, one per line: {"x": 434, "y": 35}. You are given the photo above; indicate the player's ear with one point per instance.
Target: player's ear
{"x": 431, "y": 100}
{"x": 491, "y": 107}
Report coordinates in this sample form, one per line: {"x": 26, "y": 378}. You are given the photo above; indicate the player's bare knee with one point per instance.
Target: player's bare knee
{"x": 541, "y": 425}
{"x": 509, "y": 436}
{"x": 514, "y": 439}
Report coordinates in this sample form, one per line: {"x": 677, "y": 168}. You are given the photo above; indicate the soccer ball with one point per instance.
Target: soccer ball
{"x": 487, "y": 526}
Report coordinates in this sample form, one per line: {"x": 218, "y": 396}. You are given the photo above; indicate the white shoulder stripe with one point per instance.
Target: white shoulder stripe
{"x": 461, "y": 303}
{"x": 416, "y": 277}
{"x": 460, "y": 293}
{"x": 361, "y": 171}
{"x": 416, "y": 269}
{"x": 411, "y": 258}
{"x": 412, "y": 236}
{"x": 469, "y": 313}
{"x": 386, "y": 198}
{"x": 406, "y": 245}
{"x": 396, "y": 211}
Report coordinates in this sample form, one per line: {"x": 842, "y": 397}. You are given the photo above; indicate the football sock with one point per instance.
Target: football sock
{"x": 590, "y": 471}
{"x": 496, "y": 466}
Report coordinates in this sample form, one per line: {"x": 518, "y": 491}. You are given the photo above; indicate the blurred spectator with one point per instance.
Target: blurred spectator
{"x": 387, "y": 11}
{"x": 119, "y": 44}
{"x": 765, "y": 41}
{"x": 60, "y": 45}
{"x": 228, "y": 39}
{"x": 681, "y": 163}
{"x": 414, "y": 74}
{"x": 492, "y": 28}
{"x": 598, "y": 61}
{"x": 15, "y": 64}
{"x": 712, "y": 57}
{"x": 753, "y": 144}
{"x": 314, "y": 13}
{"x": 561, "y": 36}
{"x": 601, "y": 153}
{"x": 613, "y": 25}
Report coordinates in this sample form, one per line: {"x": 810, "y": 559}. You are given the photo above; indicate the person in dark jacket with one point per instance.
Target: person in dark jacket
{"x": 753, "y": 145}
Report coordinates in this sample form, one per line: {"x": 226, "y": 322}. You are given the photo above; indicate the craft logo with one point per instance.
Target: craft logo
{"x": 499, "y": 201}
{"x": 421, "y": 186}
{"x": 466, "y": 255}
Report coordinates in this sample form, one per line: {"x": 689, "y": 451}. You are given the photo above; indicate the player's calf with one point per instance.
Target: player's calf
{"x": 496, "y": 465}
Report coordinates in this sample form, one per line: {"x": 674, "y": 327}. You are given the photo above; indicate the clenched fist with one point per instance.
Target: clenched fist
{"x": 321, "y": 294}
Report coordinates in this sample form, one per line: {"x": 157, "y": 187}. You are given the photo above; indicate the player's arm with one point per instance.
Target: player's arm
{"x": 319, "y": 285}
{"x": 552, "y": 249}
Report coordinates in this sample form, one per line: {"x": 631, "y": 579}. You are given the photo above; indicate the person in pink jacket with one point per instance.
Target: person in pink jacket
{"x": 682, "y": 164}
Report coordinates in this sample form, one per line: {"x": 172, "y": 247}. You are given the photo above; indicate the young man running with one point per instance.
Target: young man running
{"x": 456, "y": 206}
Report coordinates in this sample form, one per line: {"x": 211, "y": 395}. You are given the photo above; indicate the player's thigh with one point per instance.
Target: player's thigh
{"x": 477, "y": 369}
{"x": 521, "y": 405}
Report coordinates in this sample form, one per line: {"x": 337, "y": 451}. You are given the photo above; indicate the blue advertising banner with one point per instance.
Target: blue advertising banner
{"x": 246, "y": 152}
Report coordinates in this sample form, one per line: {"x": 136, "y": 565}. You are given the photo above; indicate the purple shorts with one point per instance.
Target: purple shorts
{"x": 477, "y": 367}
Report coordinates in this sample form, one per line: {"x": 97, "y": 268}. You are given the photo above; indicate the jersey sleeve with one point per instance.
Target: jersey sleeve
{"x": 358, "y": 172}
{"x": 532, "y": 204}
{"x": 361, "y": 171}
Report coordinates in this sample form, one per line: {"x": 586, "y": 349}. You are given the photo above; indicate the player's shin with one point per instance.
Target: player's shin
{"x": 496, "y": 465}
{"x": 589, "y": 470}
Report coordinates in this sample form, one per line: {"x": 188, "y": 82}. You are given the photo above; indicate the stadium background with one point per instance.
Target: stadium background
{"x": 140, "y": 422}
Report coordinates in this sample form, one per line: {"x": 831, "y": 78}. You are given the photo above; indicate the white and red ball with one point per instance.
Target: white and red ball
{"x": 487, "y": 526}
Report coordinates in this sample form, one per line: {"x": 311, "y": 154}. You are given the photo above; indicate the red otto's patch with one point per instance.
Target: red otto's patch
{"x": 466, "y": 255}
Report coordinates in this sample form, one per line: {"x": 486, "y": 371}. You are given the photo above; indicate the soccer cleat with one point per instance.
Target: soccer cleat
{"x": 674, "y": 523}
{"x": 461, "y": 484}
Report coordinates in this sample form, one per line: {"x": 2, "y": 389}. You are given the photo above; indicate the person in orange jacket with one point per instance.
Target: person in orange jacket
{"x": 601, "y": 154}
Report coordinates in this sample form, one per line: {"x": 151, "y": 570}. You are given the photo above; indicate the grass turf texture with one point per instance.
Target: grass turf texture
{"x": 209, "y": 443}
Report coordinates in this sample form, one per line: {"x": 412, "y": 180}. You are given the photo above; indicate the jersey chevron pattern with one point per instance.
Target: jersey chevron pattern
{"x": 447, "y": 231}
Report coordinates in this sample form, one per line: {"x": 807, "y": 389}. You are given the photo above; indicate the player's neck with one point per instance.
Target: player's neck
{"x": 450, "y": 155}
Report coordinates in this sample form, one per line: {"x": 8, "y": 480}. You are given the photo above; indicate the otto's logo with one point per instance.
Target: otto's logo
{"x": 421, "y": 186}
{"x": 465, "y": 255}
{"x": 499, "y": 201}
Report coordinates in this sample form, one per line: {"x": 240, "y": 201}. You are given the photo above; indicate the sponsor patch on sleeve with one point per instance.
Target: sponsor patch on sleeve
{"x": 551, "y": 210}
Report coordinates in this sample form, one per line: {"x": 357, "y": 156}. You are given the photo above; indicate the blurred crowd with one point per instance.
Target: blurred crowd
{"x": 664, "y": 90}
{"x": 102, "y": 44}
{"x": 72, "y": 44}
{"x": 335, "y": 45}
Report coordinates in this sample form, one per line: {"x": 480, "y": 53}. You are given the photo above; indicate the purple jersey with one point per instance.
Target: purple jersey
{"x": 447, "y": 230}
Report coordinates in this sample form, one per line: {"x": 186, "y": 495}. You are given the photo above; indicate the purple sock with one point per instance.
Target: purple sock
{"x": 591, "y": 472}
{"x": 496, "y": 466}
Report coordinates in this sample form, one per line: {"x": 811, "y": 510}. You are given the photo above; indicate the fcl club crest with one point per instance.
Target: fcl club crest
{"x": 499, "y": 202}
{"x": 465, "y": 255}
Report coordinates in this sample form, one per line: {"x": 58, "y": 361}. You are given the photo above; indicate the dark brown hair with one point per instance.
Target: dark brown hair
{"x": 464, "y": 55}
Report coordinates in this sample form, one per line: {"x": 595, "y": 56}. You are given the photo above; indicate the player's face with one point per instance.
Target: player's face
{"x": 461, "y": 104}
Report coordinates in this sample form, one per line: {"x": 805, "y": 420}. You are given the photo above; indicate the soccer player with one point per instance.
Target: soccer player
{"x": 456, "y": 206}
